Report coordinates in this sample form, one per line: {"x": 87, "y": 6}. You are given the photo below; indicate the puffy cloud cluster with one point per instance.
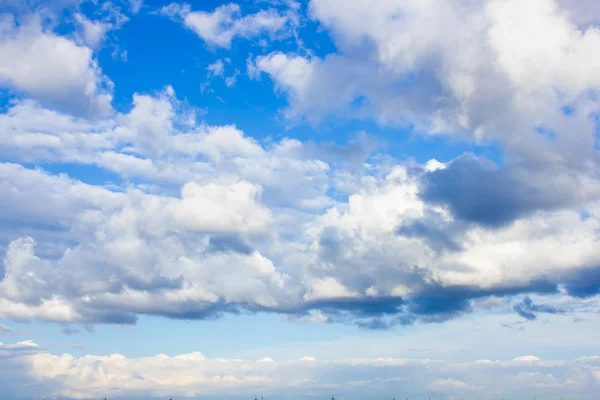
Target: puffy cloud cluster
{"x": 510, "y": 73}
{"x": 133, "y": 246}
{"x": 193, "y": 374}
{"x": 35, "y": 61}
{"x": 204, "y": 220}
{"x": 198, "y": 220}
{"x": 492, "y": 60}
{"x": 506, "y": 72}
{"x": 173, "y": 217}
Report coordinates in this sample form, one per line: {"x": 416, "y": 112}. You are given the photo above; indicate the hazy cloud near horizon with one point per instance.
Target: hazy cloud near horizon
{"x": 193, "y": 374}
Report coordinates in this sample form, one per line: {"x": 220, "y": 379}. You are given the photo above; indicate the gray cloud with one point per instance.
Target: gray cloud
{"x": 228, "y": 243}
{"x": 439, "y": 238}
{"x": 231, "y": 273}
{"x": 584, "y": 283}
{"x": 67, "y": 330}
{"x": 529, "y": 310}
{"x": 478, "y": 191}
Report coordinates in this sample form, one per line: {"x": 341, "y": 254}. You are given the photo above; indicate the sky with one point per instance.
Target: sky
{"x": 300, "y": 199}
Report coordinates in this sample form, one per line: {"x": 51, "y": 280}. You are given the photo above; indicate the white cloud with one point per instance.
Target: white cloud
{"x": 226, "y": 206}
{"x": 326, "y": 288}
{"x": 52, "y": 69}
{"x": 527, "y": 358}
{"x": 194, "y": 374}
{"x": 231, "y": 80}
{"x": 492, "y": 73}
{"x": 30, "y": 132}
{"x": 216, "y": 68}
{"x": 484, "y": 75}
{"x": 112, "y": 231}
{"x": 229, "y": 207}
{"x": 110, "y": 17}
{"x": 364, "y": 232}
{"x": 202, "y": 220}
{"x": 93, "y": 31}
{"x": 211, "y": 206}
{"x": 156, "y": 141}
{"x": 292, "y": 74}
{"x": 449, "y": 385}
{"x": 175, "y": 10}
{"x": 220, "y": 27}
{"x": 136, "y": 5}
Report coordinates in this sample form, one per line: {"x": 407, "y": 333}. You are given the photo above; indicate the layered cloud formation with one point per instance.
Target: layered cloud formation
{"x": 194, "y": 374}
{"x": 207, "y": 219}
{"x": 187, "y": 220}
{"x": 212, "y": 220}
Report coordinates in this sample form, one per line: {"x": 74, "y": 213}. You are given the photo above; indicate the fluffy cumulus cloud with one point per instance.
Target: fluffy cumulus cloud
{"x": 144, "y": 264}
{"x": 493, "y": 74}
{"x": 204, "y": 220}
{"x": 61, "y": 74}
{"x": 445, "y": 80}
{"x": 208, "y": 216}
{"x": 194, "y": 374}
{"x": 513, "y": 73}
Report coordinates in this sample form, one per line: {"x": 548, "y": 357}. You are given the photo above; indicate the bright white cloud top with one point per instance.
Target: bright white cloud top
{"x": 121, "y": 204}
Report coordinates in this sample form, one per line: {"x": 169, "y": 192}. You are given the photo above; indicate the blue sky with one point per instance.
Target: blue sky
{"x": 299, "y": 199}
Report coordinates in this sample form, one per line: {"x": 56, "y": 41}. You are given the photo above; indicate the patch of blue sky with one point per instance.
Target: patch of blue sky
{"x": 568, "y": 110}
{"x": 85, "y": 173}
{"x": 229, "y": 336}
{"x": 584, "y": 215}
{"x": 545, "y": 131}
{"x": 6, "y": 99}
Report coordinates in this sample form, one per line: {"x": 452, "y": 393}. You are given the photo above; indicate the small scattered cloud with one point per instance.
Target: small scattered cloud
{"x": 8, "y": 331}
{"x": 231, "y": 80}
{"x": 529, "y": 310}
{"x": 216, "y": 68}
{"x": 526, "y": 358}
{"x": 136, "y": 5}
{"x": 219, "y": 27}
{"x": 69, "y": 331}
